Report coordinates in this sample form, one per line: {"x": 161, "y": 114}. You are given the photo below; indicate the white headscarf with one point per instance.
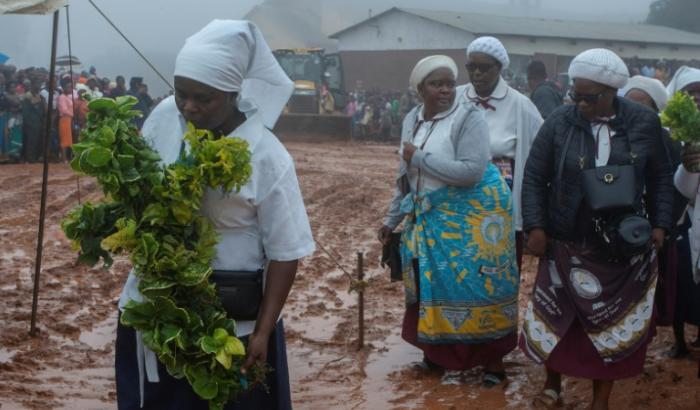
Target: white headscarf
{"x": 601, "y": 66}
{"x": 232, "y": 56}
{"x": 491, "y": 46}
{"x": 429, "y": 64}
{"x": 684, "y": 77}
{"x": 653, "y": 87}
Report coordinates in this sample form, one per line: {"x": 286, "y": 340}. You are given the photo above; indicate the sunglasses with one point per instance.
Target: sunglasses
{"x": 588, "y": 98}
{"x": 472, "y": 67}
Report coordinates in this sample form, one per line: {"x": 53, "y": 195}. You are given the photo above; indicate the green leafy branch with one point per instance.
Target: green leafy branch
{"x": 151, "y": 213}
{"x": 682, "y": 116}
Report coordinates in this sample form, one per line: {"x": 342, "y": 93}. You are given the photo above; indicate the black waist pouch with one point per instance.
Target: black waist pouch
{"x": 391, "y": 256}
{"x": 241, "y": 292}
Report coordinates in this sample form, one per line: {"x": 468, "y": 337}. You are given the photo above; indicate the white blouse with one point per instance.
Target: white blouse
{"x": 436, "y": 135}
{"x": 265, "y": 221}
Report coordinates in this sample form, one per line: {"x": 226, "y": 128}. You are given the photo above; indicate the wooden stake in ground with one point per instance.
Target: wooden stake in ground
{"x": 361, "y": 300}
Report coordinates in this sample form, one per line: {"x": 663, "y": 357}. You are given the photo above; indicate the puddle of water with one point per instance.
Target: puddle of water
{"x": 377, "y": 388}
{"x": 13, "y": 254}
{"x": 6, "y": 355}
{"x": 102, "y": 334}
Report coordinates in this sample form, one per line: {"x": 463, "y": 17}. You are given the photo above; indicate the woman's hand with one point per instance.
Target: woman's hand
{"x": 383, "y": 234}
{"x": 537, "y": 242}
{"x": 280, "y": 277}
{"x": 256, "y": 352}
{"x": 690, "y": 156}
{"x": 408, "y": 151}
{"x": 658, "y": 235}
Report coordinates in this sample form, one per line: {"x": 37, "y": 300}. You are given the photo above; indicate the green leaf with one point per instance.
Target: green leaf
{"x": 224, "y": 358}
{"x": 138, "y": 315}
{"x": 97, "y": 156}
{"x": 151, "y": 285}
{"x": 206, "y": 388}
{"x": 103, "y": 105}
{"x": 209, "y": 344}
{"x": 170, "y": 333}
{"x": 181, "y": 212}
{"x": 234, "y": 346}
{"x": 194, "y": 274}
{"x": 124, "y": 238}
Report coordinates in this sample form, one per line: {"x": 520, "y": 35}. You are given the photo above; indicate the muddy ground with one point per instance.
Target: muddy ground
{"x": 346, "y": 186}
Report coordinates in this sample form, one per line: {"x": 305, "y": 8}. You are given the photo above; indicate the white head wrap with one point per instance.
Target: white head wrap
{"x": 491, "y": 46}
{"x": 684, "y": 77}
{"x": 653, "y": 87}
{"x": 232, "y": 56}
{"x": 429, "y": 64}
{"x": 601, "y": 66}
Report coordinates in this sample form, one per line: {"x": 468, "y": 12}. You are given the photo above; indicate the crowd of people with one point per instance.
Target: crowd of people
{"x": 377, "y": 114}
{"x": 23, "y": 107}
{"x": 583, "y": 180}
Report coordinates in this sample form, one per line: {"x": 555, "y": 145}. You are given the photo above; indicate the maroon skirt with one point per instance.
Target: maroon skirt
{"x": 576, "y": 356}
{"x": 456, "y": 356}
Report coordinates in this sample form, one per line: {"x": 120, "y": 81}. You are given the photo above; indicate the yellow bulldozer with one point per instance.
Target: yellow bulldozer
{"x": 316, "y": 106}
{"x": 318, "y": 79}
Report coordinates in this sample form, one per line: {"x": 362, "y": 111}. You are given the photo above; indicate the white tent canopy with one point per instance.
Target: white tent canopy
{"x": 30, "y": 6}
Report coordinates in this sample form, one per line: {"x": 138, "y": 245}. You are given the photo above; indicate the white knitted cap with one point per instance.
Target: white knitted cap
{"x": 491, "y": 46}
{"x": 653, "y": 87}
{"x": 429, "y": 64}
{"x": 601, "y": 66}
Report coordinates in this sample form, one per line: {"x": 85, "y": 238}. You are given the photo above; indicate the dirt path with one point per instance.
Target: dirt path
{"x": 346, "y": 189}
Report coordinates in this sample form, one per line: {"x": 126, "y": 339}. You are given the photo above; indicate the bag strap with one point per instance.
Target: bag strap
{"x": 560, "y": 168}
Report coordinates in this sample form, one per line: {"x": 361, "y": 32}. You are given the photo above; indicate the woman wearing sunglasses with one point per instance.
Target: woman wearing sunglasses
{"x": 512, "y": 118}
{"x": 590, "y": 315}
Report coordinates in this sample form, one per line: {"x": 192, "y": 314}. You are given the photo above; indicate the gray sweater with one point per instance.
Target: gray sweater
{"x": 470, "y": 138}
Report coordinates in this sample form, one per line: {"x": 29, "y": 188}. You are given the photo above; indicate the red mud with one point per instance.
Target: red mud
{"x": 346, "y": 187}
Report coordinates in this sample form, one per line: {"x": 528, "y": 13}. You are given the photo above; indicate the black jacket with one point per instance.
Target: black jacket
{"x": 547, "y": 97}
{"x": 637, "y": 140}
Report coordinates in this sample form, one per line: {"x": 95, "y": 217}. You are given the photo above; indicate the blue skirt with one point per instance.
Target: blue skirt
{"x": 174, "y": 394}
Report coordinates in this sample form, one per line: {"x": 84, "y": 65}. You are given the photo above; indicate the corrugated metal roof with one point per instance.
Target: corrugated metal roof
{"x": 481, "y": 24}
{"x": 30, "y": 6}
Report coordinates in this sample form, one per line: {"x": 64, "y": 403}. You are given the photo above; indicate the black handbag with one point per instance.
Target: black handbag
{"x": 391, "y": 256}
{"x": 610, "y": 187}
{"x": 610, "y": 191}
{"x": 627, "y": 235}
{"x": 240, "y": 292}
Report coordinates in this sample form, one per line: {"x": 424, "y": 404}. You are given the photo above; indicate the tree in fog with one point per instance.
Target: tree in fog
{"x": 680, "y": 14}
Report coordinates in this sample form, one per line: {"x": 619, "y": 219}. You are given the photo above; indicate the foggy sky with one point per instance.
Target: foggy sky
{"x": 160, "y": 27}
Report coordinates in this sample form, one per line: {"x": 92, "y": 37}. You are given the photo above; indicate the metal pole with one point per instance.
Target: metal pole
{"x": 44, "y": 182}
{"x": 361, "y": 300}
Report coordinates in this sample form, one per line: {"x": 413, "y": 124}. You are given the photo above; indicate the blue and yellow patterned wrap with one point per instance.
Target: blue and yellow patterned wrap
{"x": 464, "y": 241}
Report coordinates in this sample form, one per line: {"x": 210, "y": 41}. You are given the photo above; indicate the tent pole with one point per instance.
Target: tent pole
{"x": 44, "y": 182}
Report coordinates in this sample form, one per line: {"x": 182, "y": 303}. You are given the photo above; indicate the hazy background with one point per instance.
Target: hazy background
{"x": 160, "y": 27}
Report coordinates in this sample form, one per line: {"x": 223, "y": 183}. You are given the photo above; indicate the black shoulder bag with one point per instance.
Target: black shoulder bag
{"x": 610, "y": 192}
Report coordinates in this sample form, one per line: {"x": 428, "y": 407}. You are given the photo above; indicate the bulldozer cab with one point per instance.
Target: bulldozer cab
{"x": 312, "y": 71}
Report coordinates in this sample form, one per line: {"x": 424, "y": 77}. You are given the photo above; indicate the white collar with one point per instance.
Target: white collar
{"x": 439, "y": 115}
{"x": 499, "y": 93}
